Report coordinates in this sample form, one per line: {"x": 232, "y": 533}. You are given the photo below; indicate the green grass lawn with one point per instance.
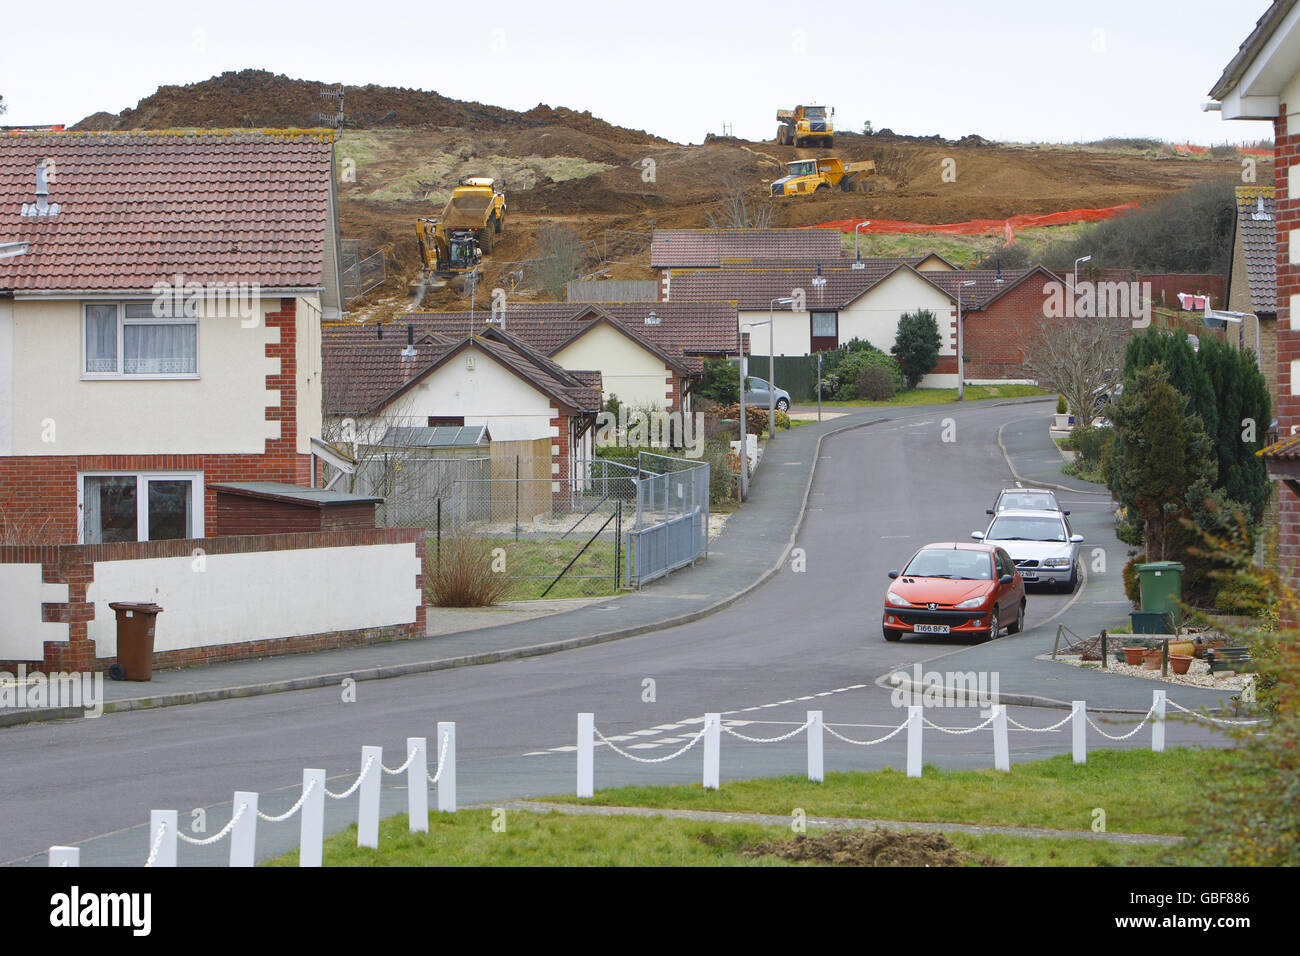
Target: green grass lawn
{"x": 941, "y": 396}
{"x": 468, "y": 838}
{"x": 532, "y": 564}
{"x": 1140, "y": 791}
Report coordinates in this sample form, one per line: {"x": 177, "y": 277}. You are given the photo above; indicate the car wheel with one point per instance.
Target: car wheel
{"x": 891, "y": 635}
{"x": 782, "y": 405}
{"x": 1020, "y": 620}
{"x": 995, "y": 626}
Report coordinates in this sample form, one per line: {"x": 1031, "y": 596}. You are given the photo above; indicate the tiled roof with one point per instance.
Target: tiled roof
{"x": 986, "y": 287}
{"x": 1257, "y": 233}
{"x": 708, "y": 247}
{"x": 1251, "y": 47}
{"x": 845, "y": 261}
{"x": 362, "y": 375}
{"x": 137, "y": 208}
{"x": 1287, "y": 449}
{"x": 753, "y": 289}
{"x": 682, "y": 330}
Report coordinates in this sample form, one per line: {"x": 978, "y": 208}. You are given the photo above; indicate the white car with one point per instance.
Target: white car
{"x": 1025, "y": 499}
{"x": 1041, "y": 543}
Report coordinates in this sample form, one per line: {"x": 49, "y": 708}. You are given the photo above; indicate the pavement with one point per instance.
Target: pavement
{"x": 739, "y": 561}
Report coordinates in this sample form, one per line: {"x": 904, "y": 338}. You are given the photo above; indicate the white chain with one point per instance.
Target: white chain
{"x": 1214, "y": 720}
{"x": 356, "y": 783}
{"x": 216, "y": 836}
{"x": 1039, "y": 730}
{"x": 694, "y": 740}
{"x": 767, "y": 740}
{"x": 863, "y": 743}
{"x": 1126, "y": 736}
{"x": 402, "y": 769}
{"x": 157, "y": 842}
{"x": 954, "y": 730}
{"x": 442, "y": 756}
{"x": 311, "y": 785}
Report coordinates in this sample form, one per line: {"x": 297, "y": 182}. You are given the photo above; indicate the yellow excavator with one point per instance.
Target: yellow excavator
{"x": 822, "y": 175}
{"x": 453, "y": 244}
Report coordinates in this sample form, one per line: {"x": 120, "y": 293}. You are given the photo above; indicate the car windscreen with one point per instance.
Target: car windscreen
{"x": 950, "y": 563}
{"x": 1017, "y": 528}
{"x": 1027, "y": 501}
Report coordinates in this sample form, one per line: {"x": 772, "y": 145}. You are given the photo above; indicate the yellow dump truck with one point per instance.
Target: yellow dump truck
{"x": 805, "y": 126}
{"x": 478, "y": 204}
{"x": 821, "y": 175}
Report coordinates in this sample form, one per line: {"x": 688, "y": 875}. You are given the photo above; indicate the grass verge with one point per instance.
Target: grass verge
{"x": 942, "y": 396}
{"x": 487, "y": 838}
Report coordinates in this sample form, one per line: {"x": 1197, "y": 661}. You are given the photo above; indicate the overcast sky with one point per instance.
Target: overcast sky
{"x": 1008, "y": 70}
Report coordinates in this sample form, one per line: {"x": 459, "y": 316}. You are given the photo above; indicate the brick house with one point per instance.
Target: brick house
{"x": 161, "y": 331}
{"x": 649, "y": 354}
{"x": 1262, "y": 82}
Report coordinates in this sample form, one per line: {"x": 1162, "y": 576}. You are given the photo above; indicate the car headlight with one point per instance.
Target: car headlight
{"x": 896, "y": 601}
{"x": 973, "y": 602}
{"x": 1056, "y": 562}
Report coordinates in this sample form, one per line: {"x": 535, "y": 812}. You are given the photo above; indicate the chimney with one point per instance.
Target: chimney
{"x": 409, "y": 351}
{"x": 379, "y": 331}
{"x": 42, "y": 206}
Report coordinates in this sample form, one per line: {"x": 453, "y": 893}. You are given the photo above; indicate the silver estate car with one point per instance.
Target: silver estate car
{"x": 1026, "y": 499}
{"x": 1041, "y": 543}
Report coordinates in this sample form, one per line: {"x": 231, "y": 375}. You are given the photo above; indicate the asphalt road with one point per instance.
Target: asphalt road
{"x": 804, "y": 640}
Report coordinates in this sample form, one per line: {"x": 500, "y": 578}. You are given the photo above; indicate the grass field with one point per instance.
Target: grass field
{"x": 1139, "y": 792}
{"x": 961, "y": 251}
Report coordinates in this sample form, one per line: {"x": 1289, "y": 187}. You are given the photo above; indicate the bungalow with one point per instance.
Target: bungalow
{"x": 1252, "y": 282}
{"x": 491, "y": 379}
{"x": 161, "y": 330}
{"x": 648, "y": 354}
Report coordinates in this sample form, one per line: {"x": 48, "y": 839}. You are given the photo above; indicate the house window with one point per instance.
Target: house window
{"x": 140, "y": 507}
{"x": 825, "y": 332}
{"x": 127, "y": 340}
{"x": 436, "y": 420}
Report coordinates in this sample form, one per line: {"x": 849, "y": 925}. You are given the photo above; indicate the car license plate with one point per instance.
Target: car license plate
{"x": 931, "y": 629}
{"x": 1029, "y": 575}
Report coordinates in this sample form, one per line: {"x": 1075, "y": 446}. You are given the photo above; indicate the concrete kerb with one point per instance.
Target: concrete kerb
{"x": 1034, "y": 481}
{"x": 448, "y": 663}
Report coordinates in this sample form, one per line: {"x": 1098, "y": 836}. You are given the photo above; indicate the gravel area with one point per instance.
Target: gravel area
{"x": 1198, "y": 675}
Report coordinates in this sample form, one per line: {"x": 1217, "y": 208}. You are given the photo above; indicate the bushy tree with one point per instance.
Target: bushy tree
{"x": 1161, "y": 451}
{"x": 916, "y": 345}
{"x": 720, "y": 382}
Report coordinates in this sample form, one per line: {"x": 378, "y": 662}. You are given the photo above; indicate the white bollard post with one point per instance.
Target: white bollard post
{"x": 586, "y": 755}
{"x": 816, "y": 738}
{"x": 243, "y": 838}
{"x": 166, "y": 820}
{"x": 311, "y": 835}
{"x": 368, "y": 806}
{"x": 914, "y": 712}
{"x": 1158, "y": 723}
{"x": 417, "y": 784}
{"x": 1001, "y": 751}
{"x": 65, "y": 856}
{"x": 712, "y": 751}
{"x": 1079, "y": 729}
{"x": 447, "y": 782}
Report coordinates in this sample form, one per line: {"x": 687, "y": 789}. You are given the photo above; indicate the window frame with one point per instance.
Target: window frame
{"x": 119, "y": 306}
{"x": 142, "y": 479}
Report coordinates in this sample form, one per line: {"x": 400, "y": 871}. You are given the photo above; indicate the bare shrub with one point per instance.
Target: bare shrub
{"x": 461, "y": 574}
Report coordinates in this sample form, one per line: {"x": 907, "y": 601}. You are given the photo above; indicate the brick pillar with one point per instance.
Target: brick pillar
{"x": 560, "y": 463}
{"x": 1287, "y": 153}
{"x": 78, "y": 652}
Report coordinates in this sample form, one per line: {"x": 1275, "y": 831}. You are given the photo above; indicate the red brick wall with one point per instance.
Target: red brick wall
{"x": 74, "y": 565}
{"x": 995, "y": 337}
{"x": 239, "y": 514}
{"x": 673, "y": 391}
{"x": 1286, "y": 153}
{"x": 43, "y": 488}
{"x": 560, "y": 447}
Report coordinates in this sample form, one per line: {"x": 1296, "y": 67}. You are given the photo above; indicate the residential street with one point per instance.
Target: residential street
{"x": 800, "y": 641}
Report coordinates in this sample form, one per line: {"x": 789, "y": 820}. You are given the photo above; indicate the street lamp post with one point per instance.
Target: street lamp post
{"x": 1212, "y": 315}
{"x": 961, "y": 360}
{"x": 865, "y": 222}
{"x": 1075, "y": 290}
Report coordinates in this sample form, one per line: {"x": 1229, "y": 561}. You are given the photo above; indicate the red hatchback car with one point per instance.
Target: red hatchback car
{"x": 955, "y": 588}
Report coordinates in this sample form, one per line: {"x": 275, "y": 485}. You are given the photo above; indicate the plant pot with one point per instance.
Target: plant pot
{"x": 1151, "y": 660}
{"x": 1133, "y": 655}
{"x": 1182, "y": 648}
{"x": 1063, "y": 421}
{"x": 1179, "y": 663}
